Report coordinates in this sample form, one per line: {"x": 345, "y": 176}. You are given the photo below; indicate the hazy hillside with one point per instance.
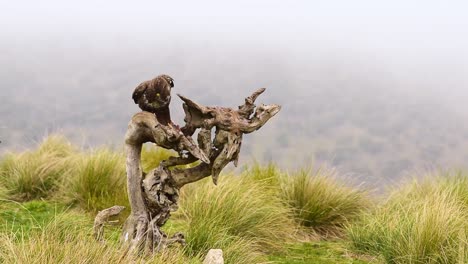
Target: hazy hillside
{"x": 374, "y": 100}
{"x": 361, "y": 120}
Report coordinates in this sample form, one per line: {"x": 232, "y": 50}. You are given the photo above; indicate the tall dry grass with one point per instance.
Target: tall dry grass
{"x": 238, "y": 215}
{"x": 152, "y": 155}
{"x": 67, "y": 239}
{"x": 423, "y": 221}
{"x": 247, "y": 216}
{"x": 322, "y": 202}
{"x": 37, "y": 173}
{"x": 319, "y": 199}
{"x": 97, "y": 180}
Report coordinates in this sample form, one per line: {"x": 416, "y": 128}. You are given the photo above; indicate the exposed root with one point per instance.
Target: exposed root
{"x": 102, "y": 218}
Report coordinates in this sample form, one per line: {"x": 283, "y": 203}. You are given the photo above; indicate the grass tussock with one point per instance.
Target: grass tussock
{"x": 270, "y": 175}
{"x": 320, "y": 201}
{"x": 35, "y": 174}
{"x": 92, "y": 179}
{"x": 97, "y": 181}
{"x": 238, "y": 215}
{"x": 421, "y": 222}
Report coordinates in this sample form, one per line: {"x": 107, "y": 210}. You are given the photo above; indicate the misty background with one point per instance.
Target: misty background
{"x": 376, "y": 89}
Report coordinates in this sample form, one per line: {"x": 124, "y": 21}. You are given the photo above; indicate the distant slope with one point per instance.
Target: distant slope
{"x": 366, "y": 117}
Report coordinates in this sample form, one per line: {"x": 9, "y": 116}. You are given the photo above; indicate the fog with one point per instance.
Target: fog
{"x": 376, "y": 89}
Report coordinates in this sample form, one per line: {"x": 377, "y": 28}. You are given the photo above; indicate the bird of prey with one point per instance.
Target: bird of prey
{"x": 154, "y": 96}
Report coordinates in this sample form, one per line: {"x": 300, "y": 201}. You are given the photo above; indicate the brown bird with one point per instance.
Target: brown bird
{"x": 154, "y": 96}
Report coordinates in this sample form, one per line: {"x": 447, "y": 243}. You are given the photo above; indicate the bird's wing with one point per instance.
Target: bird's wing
{"x": 163, "y": 102}
{"x": 139, "y": 92}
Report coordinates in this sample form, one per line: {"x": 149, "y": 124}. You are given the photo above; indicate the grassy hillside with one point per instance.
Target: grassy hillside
{"x": 50, "y": 195}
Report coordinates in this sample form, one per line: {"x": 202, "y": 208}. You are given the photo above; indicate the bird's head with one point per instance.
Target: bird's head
{"x": 168, "y": 79}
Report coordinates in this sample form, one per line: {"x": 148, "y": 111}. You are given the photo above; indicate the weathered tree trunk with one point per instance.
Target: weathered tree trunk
{"x": 155, "y": 195}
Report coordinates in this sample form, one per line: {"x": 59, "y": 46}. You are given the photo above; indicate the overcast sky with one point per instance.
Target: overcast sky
{"x": 423, "y": 44}
{"x": 400, "y": 32}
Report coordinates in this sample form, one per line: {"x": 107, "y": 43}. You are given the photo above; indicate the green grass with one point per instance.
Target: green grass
{"x": 21, "y": 218}
{"x": 270, "y": 175}
{"x": 35, "y": 174}
{"x": 319, "y": 200}
{"x": 48, "y": 233}
{"x": 238, "y": 215}
{"x": 320, "y": 252}
{"x": 67, "y": 238}
{"x": 151, "y": 156}
{"x": 49, "y": 196}
{"x": 421, "y": 222}
{"x": 97, "y": 181}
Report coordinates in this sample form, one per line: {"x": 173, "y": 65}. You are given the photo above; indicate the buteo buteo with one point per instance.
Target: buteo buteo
{"x": 154, "y": 96}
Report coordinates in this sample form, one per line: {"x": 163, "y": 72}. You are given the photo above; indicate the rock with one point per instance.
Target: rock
{"x": 214, "y": 256}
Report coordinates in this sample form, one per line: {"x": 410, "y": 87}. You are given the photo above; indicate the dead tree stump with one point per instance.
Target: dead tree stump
{"x": 155, "y": 195}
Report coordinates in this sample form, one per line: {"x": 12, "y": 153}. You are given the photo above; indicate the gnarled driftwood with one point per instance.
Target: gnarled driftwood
{"x": 155, "y": 195}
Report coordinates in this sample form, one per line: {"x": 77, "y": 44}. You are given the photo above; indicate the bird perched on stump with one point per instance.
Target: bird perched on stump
{"x": 154, "y": 96}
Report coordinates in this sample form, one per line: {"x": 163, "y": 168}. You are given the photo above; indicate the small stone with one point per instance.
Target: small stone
{"x": 214, "y": 256}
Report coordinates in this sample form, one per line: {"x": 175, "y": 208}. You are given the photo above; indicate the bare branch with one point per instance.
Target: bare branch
{"x": 248, "y": 107}
{"x": 102, "y": 218}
